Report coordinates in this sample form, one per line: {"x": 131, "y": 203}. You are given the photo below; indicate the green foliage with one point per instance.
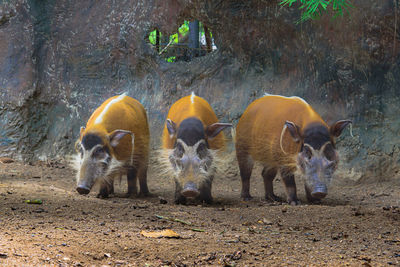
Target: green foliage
{"x": 183, "y": 30}
{"x": 171, "y": 59}
{"x": 152, "y": 37}
{"x": 313, "y": 9}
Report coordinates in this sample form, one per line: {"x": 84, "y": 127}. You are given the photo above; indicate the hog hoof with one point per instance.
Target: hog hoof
{"x": 180, "y": 200}
{"x": 146, "y": 194}
{"x": 294, "y": 202}
{"x": 273, "y": 198}
{"x": 314, "y": 200}
{"x": 246, "y": 197}
{"x": 207, "y": 200}
{"x": 102, "y": 195}
{"x": 131, "y": 195}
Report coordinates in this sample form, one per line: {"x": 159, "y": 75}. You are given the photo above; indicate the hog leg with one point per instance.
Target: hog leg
{"x": 246, "y": 164}
{"x": 179, "y": 198}
{"x": 106, "y": 188}
{"x": 269, "y": 175}
{"x": 142, "y": 175}
{"x": 290, "y": 185}
{"x": 205, "y": 192}
{"x": 131, "y": 178}
{"x": 111, "y": 189}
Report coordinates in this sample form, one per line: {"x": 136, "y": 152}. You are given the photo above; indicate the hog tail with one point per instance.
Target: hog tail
{"x": 280, "y": 140}
{"x": 233, "y": 134}
{"x": 132, "y": 142}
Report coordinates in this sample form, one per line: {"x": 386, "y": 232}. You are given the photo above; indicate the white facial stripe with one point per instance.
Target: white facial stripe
{"x": 192, "y": 97}
{"x": 194, "y": 147}
{"x": 87, "y": 153}
{"x": 93, "y": 148}
{"x": 320, "y": 151}
{"x": 99, "y": 119}
{"x": 323, "y": 146}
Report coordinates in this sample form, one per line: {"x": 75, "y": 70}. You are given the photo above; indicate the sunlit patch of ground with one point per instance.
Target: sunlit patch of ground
{"x": 356, "y": 224}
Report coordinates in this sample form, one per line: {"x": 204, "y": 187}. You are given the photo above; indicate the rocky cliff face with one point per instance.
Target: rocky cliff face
{"x": 60, "y": 59}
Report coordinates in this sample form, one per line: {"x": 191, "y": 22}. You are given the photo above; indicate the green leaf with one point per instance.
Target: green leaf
{"x": 171, "y": 59}
{"x": 152, "y": 37}
{"x": 314, "y": 9}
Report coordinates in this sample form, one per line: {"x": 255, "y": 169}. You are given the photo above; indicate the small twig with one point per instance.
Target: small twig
{"x": 198, "y": 230}
{"x": 180, "y": 221}
{"x": 166, "y": 47}
{"x": 172, "y": 219}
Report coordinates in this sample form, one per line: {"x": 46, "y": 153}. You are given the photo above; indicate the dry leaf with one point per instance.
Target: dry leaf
{"x": 165, "y": 233}
{"x": 6, "y": 160}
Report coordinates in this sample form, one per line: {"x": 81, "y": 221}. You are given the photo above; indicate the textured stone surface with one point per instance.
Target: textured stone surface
{"x": 60, "y": 59}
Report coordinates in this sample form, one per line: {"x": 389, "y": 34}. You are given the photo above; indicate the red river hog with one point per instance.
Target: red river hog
{"x": 114, "y": 142}
{"x": 191, "y": 137}
{"x": 285, "y": 134}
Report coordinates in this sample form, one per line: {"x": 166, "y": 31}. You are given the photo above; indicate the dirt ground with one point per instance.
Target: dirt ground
{"x": 357, "y": 224}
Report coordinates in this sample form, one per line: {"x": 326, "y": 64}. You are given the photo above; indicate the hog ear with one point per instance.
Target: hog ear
{"x": 171, "y": 127}
{"x": 293, "y": 130}
{"x": 337, "y": 128}
{"x": 116, "y": 136}
{"x": 214, "y": 129}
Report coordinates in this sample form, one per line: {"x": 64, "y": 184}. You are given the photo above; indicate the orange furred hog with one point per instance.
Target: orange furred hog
{"x": 191, "y": 136}
{"x": 285, "y": 133}
{"x": 114, "y": 142}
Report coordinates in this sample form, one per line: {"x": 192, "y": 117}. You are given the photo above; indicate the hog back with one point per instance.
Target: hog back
{"x": 125, "y": 114}
{"x": 192, "y": 106}
{"x": 259, "y": 129}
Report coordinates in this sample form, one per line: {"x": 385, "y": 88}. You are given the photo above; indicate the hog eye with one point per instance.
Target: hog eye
{"x": 98, "y": 152}
{"x": 329, "y": 152}
{"x": 307, "y": 152}
{"x": 202, "y": 150}
{"x": 179, "y": 150}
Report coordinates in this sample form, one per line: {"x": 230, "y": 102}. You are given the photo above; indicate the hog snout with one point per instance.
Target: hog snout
{"x": 190, "y": 190}
{"x": 320, "y": 191}
{"x": 83, "y": 189}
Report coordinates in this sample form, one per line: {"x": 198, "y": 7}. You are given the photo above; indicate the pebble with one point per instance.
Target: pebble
{"x": 3, "y": 255}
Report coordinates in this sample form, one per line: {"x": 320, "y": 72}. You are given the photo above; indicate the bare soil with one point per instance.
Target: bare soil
{"x": 357, "y": 224}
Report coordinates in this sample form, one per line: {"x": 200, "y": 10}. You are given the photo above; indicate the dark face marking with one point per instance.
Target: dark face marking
{"x": 316, "y": 135}
{"x": 91, "y": 140}
{"x": 191, "y": 131}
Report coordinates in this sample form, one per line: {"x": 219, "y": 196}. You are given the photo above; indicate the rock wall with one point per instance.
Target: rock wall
{"x": 60, "y": 59}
